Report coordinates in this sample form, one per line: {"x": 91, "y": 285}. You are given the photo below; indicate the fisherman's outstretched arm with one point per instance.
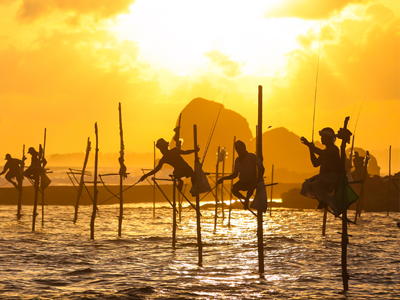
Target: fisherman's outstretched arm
{"x": 184, "y": 152}
{"x": 232, "y": 176}
{"x": 156, "y": 169}
{"x": 5, "y": 169}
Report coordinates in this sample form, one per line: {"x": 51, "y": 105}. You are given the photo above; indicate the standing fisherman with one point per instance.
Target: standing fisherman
{"x": 173, "y": 157}
{"x": 250, "y": 169}
{"x": 322, "y": 186}
{"x": 14, "y": 168}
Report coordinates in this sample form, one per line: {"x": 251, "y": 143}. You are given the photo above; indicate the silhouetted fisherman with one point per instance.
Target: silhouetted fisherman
{"x": 173, "y": 157}
{"x": 250, "y": 169}
{"x": 322, "y": 186}
{"x": 14, "y": 168}
{"x": 358, "y": 162}
{"x": 34, "y": 168}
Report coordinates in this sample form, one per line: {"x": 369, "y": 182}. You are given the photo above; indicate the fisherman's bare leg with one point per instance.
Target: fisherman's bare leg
{"x": 9, "y": 178}
{"x": 236, "y": 192}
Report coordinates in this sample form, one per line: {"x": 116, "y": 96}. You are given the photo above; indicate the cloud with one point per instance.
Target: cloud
{"x": 309, "y": 9}
{"x": 359, "y": 59}
{"x": 230, "y": 68}
{"x": 31, "y": 10}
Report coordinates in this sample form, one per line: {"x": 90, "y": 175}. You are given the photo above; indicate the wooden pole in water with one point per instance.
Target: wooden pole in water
{"x": 230, "y": 194}
{"x": 96, "y": 159}
{"x": 20, "y": 184}
{"x": 324, "y": 221}
{"x": 81, "y": 181}
{"x": 122, "y": 172}
{"x": 345, "y": 240}
{"x": 361, "y": 196}
{"x": 174, "y": 213}
{"x": 44, "y": 171}
{"x": 390, "y": 170}
{"x": 199, "y": 242}
{"x": 154, "y": 186}
{"x": 216, "y": 191}
{"x": 36, "y": 185}
{"x": 260, "y": 232}
{"x": 272, "y": 189}
{"x": 222, "y": 185}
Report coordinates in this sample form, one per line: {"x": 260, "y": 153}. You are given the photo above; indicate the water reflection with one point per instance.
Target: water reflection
{"x": 59, "y": 261}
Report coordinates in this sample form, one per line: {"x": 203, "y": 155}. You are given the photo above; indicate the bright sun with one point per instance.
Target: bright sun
{"x": 178, "y": 34}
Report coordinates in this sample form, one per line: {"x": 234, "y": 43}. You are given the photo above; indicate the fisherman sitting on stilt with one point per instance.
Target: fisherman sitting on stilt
{"x": 14, "y": 168}
{"x": 250, "y": 169}
{"x": 322, "y": 186}
{"x": 173, "y": 157}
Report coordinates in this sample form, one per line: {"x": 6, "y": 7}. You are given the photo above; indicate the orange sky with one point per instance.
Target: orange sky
{"x": 65, "y": 65}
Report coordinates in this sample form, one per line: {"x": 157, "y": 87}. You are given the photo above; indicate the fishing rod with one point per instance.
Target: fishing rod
{"x": 212, "y": 131}
{"x": 315, "y": 95}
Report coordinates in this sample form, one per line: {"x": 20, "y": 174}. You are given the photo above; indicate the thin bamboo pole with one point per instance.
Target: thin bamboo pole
{"x": 20, "y": 185}
{"x": 222, "y": 187}
{"x": 154, "y": 186}
{"x": 81, "y": 181}
{"x": 324, "y": 221}
{"x": 390, "y": 170}
{"x": 259, "y": 212}
{"x": 174, "y": 214}
{"x": 361, "y": 196}
{"x": 96, "y": 159}
{"x": 345, "y": 240}
{"x": 44, "y": 171}
{"x": 216, "y": 191}
{"x": 230, "y": 194}
{"x": 272, "y": 190}
{"x": 36, "y": 179}
{"x": 199, "y": 242}
{"x": 122, "y": 173}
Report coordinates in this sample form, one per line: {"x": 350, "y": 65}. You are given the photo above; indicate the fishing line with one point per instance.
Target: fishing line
{"x": 212, "y": 131}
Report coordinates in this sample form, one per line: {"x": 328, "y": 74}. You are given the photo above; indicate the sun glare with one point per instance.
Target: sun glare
{"x": 178, "y": 34}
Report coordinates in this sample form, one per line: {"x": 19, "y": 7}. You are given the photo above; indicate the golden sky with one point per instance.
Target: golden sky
{"x": 66, "y": 64}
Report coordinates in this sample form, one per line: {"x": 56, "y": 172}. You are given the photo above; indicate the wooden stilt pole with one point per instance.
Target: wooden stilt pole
{"x": 36, "y": 179}
{"x": 81, "y": 181}
{"x": 230, "y": 194}
{"x": 154, "y": 186}
{"x": 324, "y": 222}
{"x": 272, "y": 189}
{"x": 361, "y": 196}
{"x": 222, "y": 186}
{"x": 36, "y": 184}
{"x": 44, "y": 171}
{"x": 122, "y": 173}
{"x": 260, "y": 231}
{"x": 96, "y": 159}
{"x": 390, "y": 170}
{"x": 20, "y": 185}
{"x": 345, "y": 136}
{"x": 174, "y": 214}
{"x": 216, "y": 191}
{"x": 199, "y": 242}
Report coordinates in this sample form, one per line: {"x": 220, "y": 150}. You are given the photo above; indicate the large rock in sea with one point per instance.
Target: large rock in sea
{"x": 204, "y": 113}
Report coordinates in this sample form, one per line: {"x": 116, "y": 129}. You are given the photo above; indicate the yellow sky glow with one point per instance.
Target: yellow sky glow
{"x": 65, "y": 65}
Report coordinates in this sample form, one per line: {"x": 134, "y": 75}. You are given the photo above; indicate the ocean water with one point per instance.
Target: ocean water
{"x": 59, "y": 261}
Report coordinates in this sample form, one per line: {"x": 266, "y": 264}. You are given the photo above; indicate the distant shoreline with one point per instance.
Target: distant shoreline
{"x": 288, "y": 192}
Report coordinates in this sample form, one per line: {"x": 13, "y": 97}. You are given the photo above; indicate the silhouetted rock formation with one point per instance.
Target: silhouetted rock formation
{"x": 204, "y": 113}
